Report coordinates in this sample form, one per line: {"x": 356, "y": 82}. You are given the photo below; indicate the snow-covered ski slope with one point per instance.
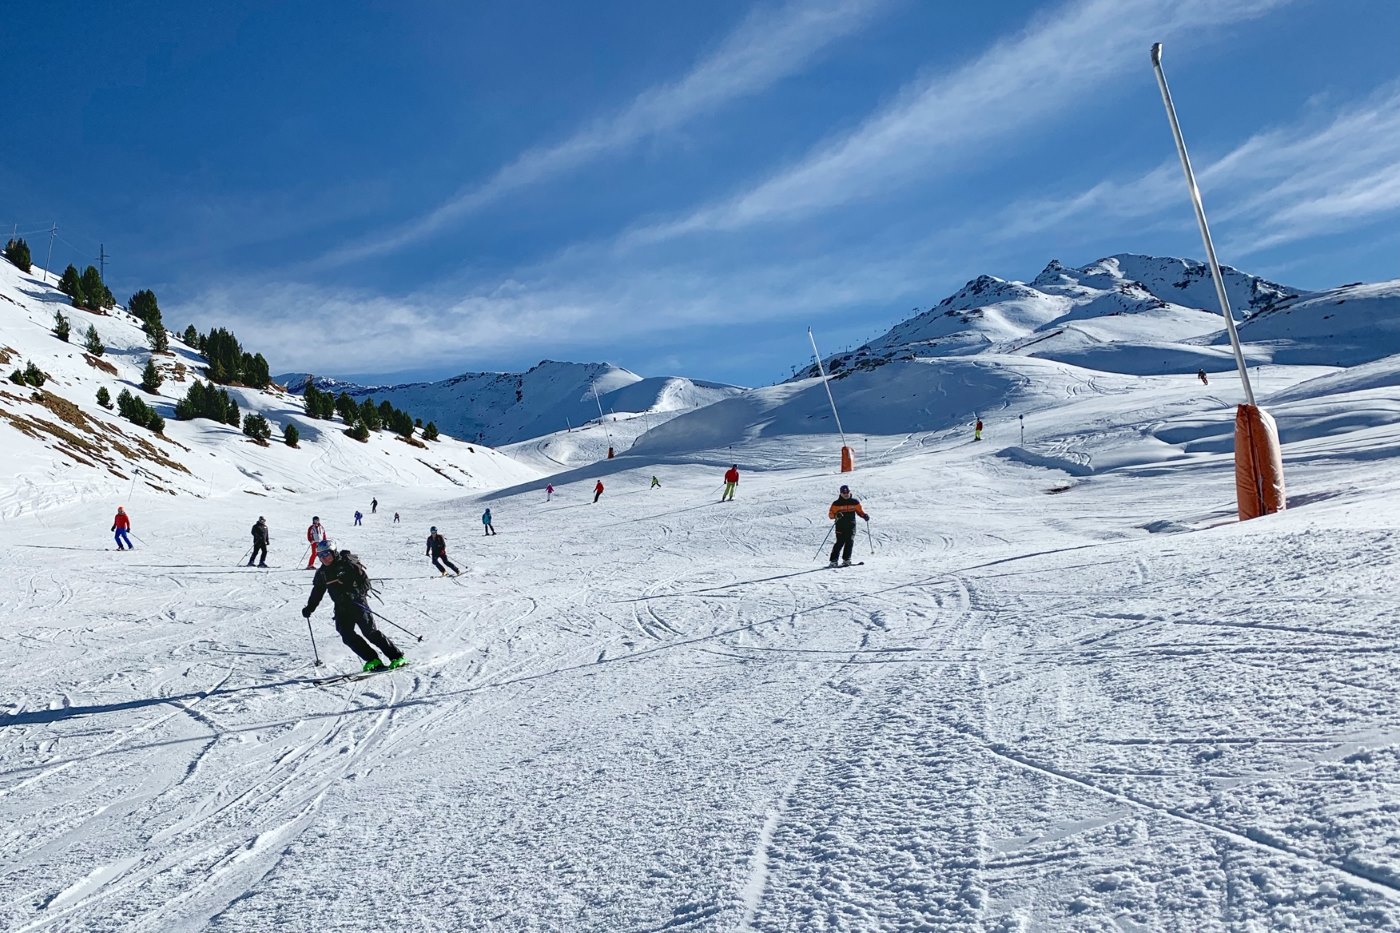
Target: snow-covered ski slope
{"x": 1066, "y": 691}
{"x": 61, "y": 445}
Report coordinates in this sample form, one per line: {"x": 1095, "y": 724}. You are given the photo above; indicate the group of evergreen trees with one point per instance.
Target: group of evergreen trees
{"x": 88, "y": 291}
{"x": 205, "y": 401}
{"x": 17, "y": 252}
{"x": 363, "y": 417}
{"x": 31, "y": 375}
{"x": 229, "y": 363}
{"x": 138, "y": 412}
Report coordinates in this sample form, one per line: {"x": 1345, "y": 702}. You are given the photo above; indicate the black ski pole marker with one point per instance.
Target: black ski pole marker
{"x": 314, "y": 653}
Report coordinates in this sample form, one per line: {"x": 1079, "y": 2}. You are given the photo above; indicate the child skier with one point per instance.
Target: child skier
{"x": 844, "y": 511}
{"x": 358, "y": 515}
{"x": 977, "y": 434}
{"x": 486, "y": 521}
{"x": 437, "y": 549}
{"x": 121, "y": 525}
{"x": 345, "y": 578}
{"x": 655, "y": 483}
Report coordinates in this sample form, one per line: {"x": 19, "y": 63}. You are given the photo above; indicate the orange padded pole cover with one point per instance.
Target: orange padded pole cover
{"x": 848, "y": 460}
{"x": 1258, "y": 463}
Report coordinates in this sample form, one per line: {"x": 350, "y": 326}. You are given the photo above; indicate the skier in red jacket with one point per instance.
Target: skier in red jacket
{"x": 731, "y": 479}
{"x": 597, "y": 491}
{"x": 121, "y": 525}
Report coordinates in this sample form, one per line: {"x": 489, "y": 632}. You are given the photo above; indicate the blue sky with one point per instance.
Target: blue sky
{"x": 417, "y": 189}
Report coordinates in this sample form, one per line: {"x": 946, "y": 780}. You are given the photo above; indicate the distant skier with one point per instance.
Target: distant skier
{"x": 597, "y": 491}
{"x": 549, "y": 492}
{"x": 977, "y": 435}
{"x": 1201, "y": 375}
{"x": 486, "y": 522}
{"x": 121, "y": 525}
{"x": 655, "y": 483}
{"x": 346, "y": 579}
{"x": 315, "y": 534}
{"x": 844, "y": 511}
{"x": 373, "y": 506}
{"x": 260, "y": 539}
{"x": 437, "y": 549}
{"x": 731, "y": 479}
{"x": 396, "y": 518}
{"x": 358, "y": 515}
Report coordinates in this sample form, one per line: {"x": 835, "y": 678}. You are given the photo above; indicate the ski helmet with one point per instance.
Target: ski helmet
{"x": 432, "y": 530}
{"x": 845, "y": 490}
{"x": 325, "y": 549}
{"x": 315, "y": 518}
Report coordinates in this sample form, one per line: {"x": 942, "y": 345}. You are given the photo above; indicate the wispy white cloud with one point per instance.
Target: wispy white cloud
{"x": 1054, "y": 65}
{"x": 766, "y": 47}
{"x": 1279, "y": 186}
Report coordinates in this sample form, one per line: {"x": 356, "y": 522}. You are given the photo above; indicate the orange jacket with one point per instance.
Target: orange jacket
{"x": 121, "y": 521}
{"x": 731, "y": 475}
{"x": 845, "y": 512}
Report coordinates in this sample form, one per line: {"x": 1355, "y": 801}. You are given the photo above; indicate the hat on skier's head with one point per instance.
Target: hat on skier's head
{"x": 261, "y": 519}
{"x": 845, "y": 490}
{"x": 120, "y": 509}
{"x": 315, "y": 518}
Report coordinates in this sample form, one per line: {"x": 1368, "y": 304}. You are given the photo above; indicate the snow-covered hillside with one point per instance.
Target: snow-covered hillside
{"x": 1062, "y": 688}
{"x": 61, "y": 445}
{"x": 506, "y": 408}
{"x": 1142, "y": 315}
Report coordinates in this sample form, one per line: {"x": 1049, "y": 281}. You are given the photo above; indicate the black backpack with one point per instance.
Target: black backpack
{"x": 356, "y": 576}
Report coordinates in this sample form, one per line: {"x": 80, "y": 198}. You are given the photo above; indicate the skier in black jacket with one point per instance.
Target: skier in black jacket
{"x": 437, "y": 549}
{"x": 844, "y": 511}
{"x": 344, "y": 577}
{"x": 260, "y": 539}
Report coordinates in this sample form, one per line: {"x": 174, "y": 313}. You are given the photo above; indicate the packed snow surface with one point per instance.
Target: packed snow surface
{"x": 1066, "y": 690}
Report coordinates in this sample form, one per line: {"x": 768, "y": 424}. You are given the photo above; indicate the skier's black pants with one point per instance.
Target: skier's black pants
{"x": 346, "y": 620}
{"x": 259, "y": 554}
{"x": 596, "y": 495}
{"x": 845, "y": 540}
{"x": 443, "y": 558}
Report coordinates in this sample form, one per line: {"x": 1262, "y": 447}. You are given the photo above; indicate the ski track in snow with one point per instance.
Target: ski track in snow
{"x": 661, "y": 713}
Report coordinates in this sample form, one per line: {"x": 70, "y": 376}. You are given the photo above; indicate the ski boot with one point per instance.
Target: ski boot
{"x": 373, "y": 665}
{"x": 397, "y": 662}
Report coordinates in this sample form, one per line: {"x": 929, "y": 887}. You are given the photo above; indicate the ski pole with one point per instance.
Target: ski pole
{"x": 314, "y": 653}
{"x": 870, "y": 537}
{"x": 397, "y": 626}
{"x": 245, "y": 556}
{"x": 821, "y": 546}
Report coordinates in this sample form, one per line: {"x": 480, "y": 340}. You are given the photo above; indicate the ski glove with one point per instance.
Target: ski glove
{"x": 306, "y": 612}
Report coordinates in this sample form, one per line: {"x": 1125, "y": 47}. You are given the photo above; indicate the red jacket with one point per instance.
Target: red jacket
{"x": 599, "y": 487}
{"x": 121, "y": 521}
{"x": 731, "y": 475}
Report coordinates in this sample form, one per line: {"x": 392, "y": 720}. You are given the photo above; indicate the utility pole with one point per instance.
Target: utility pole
{"x": 102, "y": 263}
{"x": 48, "y": 263}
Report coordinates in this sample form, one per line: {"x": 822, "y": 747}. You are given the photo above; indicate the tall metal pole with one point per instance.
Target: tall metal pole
{"x": 827, "y": 385}
{"x": 48, "y": 263}
{"x": 1201, "y": 221}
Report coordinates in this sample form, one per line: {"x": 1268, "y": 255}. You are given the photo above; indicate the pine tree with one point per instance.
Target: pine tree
{"x": 430, "y": 431}
{"x": 290, "y": 434}
{"x": 347, "y": 409}
{"x": 17, "y": 252}
{"x": 35, "y": 376}
{"x": 93, "y": 343}
{"x": 95, "y": 294}
{"x": 158, "y": 339}
{"x": 358, "y": 431}
{"x": 104, "y": 398}
{"x": 61, "y": 327}
{"x": 151, "y": 378}
{"x": 143, "y": 305}
{"x": 256, "y": 427}
{"x": 369, "y": 415}
{"x": 191, "y": 336}
{"x": 69, "y": 283}
{"x": 231, "y": 412}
